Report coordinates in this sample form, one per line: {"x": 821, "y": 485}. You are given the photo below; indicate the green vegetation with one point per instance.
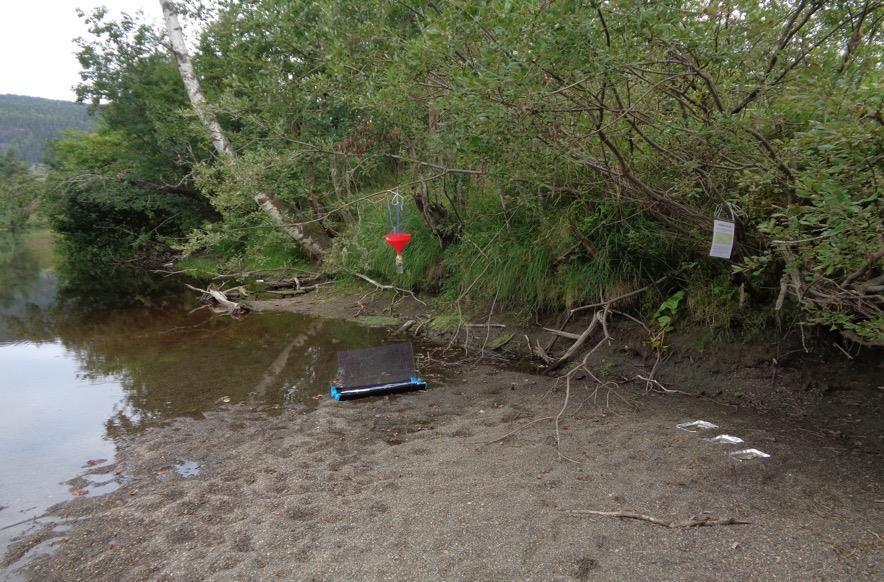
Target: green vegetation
{"x": 28, "y": 124}
{"x": 124, "y": 193}
{"x": 551, "y": 153}
{"x": 19, "y": 192}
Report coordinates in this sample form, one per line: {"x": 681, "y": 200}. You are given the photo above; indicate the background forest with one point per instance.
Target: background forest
{"x": 551, "y": 153}
{"x": 28, "y": 124}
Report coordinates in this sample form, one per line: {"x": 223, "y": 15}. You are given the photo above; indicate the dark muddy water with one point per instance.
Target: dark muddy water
{"x": 84, "y": 365}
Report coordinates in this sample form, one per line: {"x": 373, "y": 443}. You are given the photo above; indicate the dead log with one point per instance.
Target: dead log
{"x": 221, "y": 299}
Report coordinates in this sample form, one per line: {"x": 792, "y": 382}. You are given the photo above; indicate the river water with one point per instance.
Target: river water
{"x": 83, "y": 366}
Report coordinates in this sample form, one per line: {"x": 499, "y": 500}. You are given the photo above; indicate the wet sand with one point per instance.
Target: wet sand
{"x": 425, "y": 486}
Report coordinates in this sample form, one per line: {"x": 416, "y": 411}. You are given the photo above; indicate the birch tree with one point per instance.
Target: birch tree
{"x": 309, "y": 236}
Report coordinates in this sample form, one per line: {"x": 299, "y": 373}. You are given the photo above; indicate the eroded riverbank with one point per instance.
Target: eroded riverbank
{"x": 190, "y": 446}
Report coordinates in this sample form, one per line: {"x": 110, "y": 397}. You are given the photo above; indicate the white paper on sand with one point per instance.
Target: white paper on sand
{"x": 746, "y": 454}
{"x": 726, "y": 439}
{"x": 696, "y": 425}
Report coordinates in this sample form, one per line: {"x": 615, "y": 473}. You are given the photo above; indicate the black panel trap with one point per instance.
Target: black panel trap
{"x": 372, "y": 371}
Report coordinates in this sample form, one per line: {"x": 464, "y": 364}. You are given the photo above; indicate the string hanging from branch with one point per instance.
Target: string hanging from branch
{"x": 396, "y": 238}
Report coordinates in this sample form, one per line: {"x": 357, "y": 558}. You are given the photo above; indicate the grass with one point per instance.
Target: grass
{"x": 363, "y": 249}
{"x": 444, "y": 323}
{"x": 500, "y": 257}
{"x": 510, "y": 262}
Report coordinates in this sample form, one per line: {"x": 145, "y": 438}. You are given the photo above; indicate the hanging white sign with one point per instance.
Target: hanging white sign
{"x": 723, "y": 231}
{"x": 722, "y": 239}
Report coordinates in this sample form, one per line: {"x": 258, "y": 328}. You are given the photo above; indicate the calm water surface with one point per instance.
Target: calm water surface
{"x": 84, "y": 365}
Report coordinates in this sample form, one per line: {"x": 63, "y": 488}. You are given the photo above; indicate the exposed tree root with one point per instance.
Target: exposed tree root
{"x": 600, "y": 318}
{"x": 393, "y": 288}
{"x": 611, "y": 302}
{"x": 518, "y": 430}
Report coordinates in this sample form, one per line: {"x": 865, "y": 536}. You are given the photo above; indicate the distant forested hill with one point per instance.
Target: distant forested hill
{"x": 27, "y": 124}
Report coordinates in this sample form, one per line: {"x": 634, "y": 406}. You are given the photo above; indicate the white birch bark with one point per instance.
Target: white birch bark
{"x": 311, "y": 238}
{"x": 192, "y": 84}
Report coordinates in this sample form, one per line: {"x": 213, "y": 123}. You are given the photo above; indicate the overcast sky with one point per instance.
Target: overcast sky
{"x": 36, "y": 43}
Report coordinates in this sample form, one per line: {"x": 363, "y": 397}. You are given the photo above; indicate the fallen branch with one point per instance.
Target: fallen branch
{"x": 521, "y": 428}
{"x": 297, "y": 282}
{"x": 301, "y": 290}
{"x": 561, "y": 333}
{"x": 694, "y": 521}
{"x": 651, "y": 383}
{"x": 383, "y": 287}
{"x": 420, "y": 325}
{"x": 564, "y": 322}
{"x": 600, "y": 318}
{"x": 221, "y": 299}
{"x": 610, "y": 302}
{"x": 404, "y": 327}
{"x": 285, "y": 292}
{"x": 236, "y": 292}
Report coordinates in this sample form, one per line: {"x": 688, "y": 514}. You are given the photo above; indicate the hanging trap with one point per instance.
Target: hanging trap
{"x": 373, "y": 371}
{"x": 396, "y": 238}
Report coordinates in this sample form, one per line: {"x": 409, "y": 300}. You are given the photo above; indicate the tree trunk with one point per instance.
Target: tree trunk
{"x": 310, "y": 236}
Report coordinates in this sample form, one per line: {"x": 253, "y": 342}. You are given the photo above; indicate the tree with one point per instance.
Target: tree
{"x": 18, "y": 192}
{"x": 554, "y": 152}
{"x": 312, "y": 240}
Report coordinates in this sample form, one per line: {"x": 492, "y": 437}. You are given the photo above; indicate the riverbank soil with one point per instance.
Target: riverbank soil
{"x": 465, "y": 482}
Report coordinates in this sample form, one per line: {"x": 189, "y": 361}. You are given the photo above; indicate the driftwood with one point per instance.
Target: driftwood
{"x": 694, "y": 521}
{"x": 300, "y": 290}
{"x": 236, "y": 292}
{"x": 285, "y": 292}
{"x": 295, "y": 282}
{"x": 221, "y": 299}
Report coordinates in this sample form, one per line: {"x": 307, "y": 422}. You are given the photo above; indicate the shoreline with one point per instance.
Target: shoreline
{"x": 465, "y": 482}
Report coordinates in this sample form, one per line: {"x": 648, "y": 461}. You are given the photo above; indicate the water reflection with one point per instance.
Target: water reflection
{"x": 83, "y": 363}
{"x": 50, "y": 425}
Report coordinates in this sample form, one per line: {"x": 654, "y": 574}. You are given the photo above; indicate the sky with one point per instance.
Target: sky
{"x": 36, "y": 43}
